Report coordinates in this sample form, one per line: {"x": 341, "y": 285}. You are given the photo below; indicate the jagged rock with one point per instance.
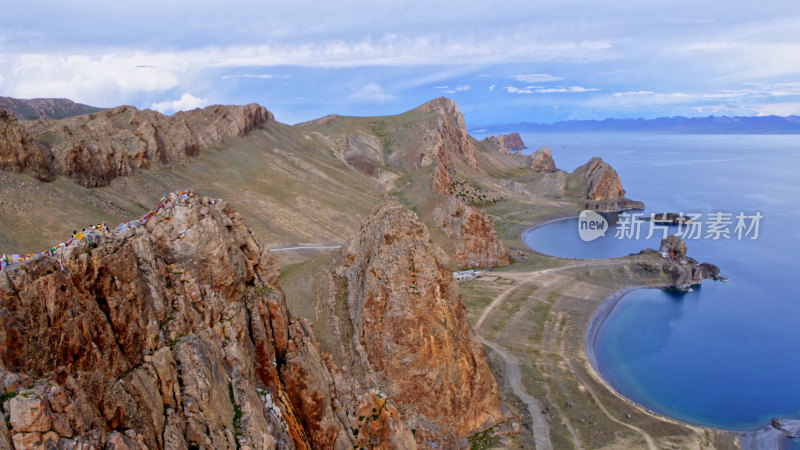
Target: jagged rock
{"x": 542, "y": 161}
{"x": 448, "y": 132}
{"x": 471, "y": 233}
{"x": 28, "y": 414}
{"x": 20, "y": 153}
{"x": 672, "y": 248}
{"x": 174, "y": 334}
{"x": 408, "y": 328}
{"x": 94, "y": 148}
{"x": 601, "y": 187}
{"x": 507, "y": 142}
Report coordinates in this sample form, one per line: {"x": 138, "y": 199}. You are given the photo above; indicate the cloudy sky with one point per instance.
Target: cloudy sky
{"x": 502, "y": 61}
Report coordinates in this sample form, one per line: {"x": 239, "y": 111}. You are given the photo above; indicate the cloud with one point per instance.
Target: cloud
{"x": 263, "y": 76}
{"x": 778, "y": 109}
{"x": 491, "y": 88}
{"x": 543, "y": 90}
{"x": 536, "y": 78}
{"x": 371, "y": 93}
{"x": 449, "y": 90}
{"x": 186, "y": 102}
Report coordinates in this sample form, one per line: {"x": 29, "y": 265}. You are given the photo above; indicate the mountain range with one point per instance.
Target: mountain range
{"x": 665, "y": 125}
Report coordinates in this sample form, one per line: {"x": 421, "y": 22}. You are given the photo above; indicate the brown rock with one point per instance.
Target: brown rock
{"x": 29, "y": 414}
{"x": 672, "y": 248}
{"x": 471, "y": 233}
{"x": 94, "y": 148}
{"x": 507, "y": 142}
{"x": 19, "y": 152}
{"x": 542, "y": 160}
{"x": 32, "y": 441}
{"x": 602, "y": 188}
{"x": 409, "y": 327}
{"x": 171, "y": 331}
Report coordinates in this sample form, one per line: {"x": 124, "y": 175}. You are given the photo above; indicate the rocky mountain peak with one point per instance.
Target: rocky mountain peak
{"x": 410, "y": 329}
{"x": 507, "y": 142}
{"x": 542, "y": 161}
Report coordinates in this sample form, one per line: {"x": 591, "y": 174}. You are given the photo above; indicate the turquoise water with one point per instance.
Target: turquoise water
{"x": 724, "y": 355}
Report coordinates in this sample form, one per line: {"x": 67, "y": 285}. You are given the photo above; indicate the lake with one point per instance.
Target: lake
{"x": 724, "y": 355}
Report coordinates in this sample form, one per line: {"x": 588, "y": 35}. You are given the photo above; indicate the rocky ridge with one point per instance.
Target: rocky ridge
{"x": 44, "y": 108}
{"x": 685, "y": 271}
{"x": 92, "y": 149}
{"x": 174, "y": 334}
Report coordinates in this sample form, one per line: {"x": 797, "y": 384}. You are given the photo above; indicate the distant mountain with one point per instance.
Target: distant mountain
{"x": 676, "y": 125}
{"x": 45, "y": 108}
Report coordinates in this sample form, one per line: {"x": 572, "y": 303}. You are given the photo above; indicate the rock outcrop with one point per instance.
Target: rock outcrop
{"x": 45, "y": 108}
{"x": 602, "y": 188}
{"x": 542, "y": 161}
{"x": 684, "y": 271}
{"x": 448, "y": 133}
{"x": 20, "y": 153}
{"x": 471, "y": 233}
{"x": 175, "y": 334}
{"x": 507, "y": 142}
{"x": 92, "y": 149}
{"x": 398, "y": 324}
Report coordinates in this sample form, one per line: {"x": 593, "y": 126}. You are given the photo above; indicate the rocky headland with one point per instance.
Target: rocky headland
{"x": 602, "y": 187}
{"x": 507, "y": 142}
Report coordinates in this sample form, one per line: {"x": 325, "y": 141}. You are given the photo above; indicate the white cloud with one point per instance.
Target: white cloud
{"x": 186, "y": 102}
{"x": 449, "y": 90}
{"x": 778, "y": 109}
{"x": 263, "y": 76}
{"x": 372, "y": 93}
{"x": 536, "y": 78}
{"x": 543, "y": 90}
{"x": 626, "y": 93}
{"x": 491, "y": 88}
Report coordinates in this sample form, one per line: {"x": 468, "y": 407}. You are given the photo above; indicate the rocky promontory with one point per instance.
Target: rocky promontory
{"x": 542, "y": 160}
{"x": 507, "y": 142}
{"x": 684, "y": 271}
{"x": 601, "y": 186}
{"x": 92, "y": 149}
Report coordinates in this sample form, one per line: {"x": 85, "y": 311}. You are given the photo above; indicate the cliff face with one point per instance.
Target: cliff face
{"x": 397, "y": 319}
{"x": 95, "y": 148}
{"x": 542, "y": 161}
{"x": 20, "y": 153}
{"x": 44, "y": 108}
{"x": 172, "y": 334}
{"x": 507, "y": 142}
{"x": 447, "y": 132}
{"x": 471, "y": 232}
{"x": 602, "y": 188}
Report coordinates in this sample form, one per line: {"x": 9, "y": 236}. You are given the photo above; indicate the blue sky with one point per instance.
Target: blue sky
{"x": 503, "y": 61}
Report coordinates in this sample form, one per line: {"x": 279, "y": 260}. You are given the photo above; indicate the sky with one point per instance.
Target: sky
{"x": 502, "y": 62}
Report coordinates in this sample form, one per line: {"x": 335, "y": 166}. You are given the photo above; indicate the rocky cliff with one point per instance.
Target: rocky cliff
{"x": 600, "y": 185}
{"x": 471, "y": 233}
{"x": 172, "y": 334}
{"x": 92, "y": 149}
{"x": 542, "y": 161}
{"x": 396, "y": 322}
{"x": 19, "y": 152}
{"x": 447, "y": 132}
{"x": 507, "y": 142}
{"x": 44, "y": 108}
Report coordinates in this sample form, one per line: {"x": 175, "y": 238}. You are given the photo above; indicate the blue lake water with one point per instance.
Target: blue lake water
{"x": 726, "y": 354}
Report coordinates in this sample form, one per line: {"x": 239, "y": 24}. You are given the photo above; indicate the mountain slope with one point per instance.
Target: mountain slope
{"x": 45, "y": 108}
